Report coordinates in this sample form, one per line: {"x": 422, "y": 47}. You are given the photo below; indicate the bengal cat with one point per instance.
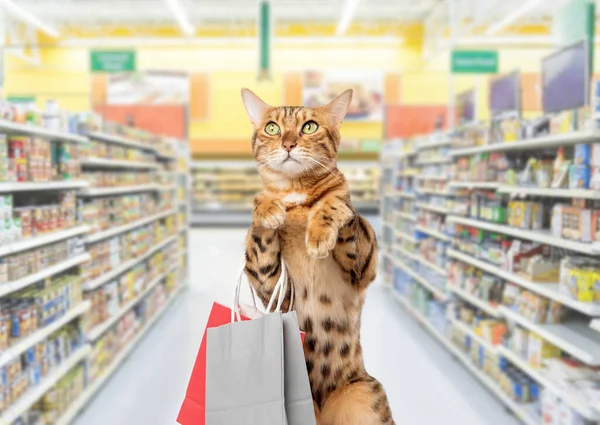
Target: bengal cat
{"x": 305, "y": 218}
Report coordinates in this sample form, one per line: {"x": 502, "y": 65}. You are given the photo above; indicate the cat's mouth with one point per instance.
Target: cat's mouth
{"x": 289, "y": 158}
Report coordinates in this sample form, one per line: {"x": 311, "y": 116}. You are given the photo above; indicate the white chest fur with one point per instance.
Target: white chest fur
{"x": 294, "y": 198}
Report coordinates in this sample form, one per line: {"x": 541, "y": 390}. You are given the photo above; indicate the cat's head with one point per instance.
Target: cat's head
{"x": 294, "y": 140}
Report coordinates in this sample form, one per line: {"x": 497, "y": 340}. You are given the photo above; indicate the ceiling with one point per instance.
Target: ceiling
{"x": 115, "y": 12}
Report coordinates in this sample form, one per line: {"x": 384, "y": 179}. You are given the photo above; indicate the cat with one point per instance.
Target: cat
{"x": 305, "y": 218}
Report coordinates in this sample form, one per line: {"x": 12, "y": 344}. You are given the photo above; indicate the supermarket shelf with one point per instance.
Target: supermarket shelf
{"x": 218, "y": 163}
{"x": 225, "y": 218}
{"x": 576, "y": 338}
{"x": 434, "y": 233}
{"x": 40, "y": 335}
{"x": 474, "y": 185}
{"x": 16, "y": 285}
{"x": 98, "y": 236}
{"x": 434, "y": 144}
{"x": 469, "y": 331}
{"x": 549, "y": 290}
{"x": 406, "y": 195}
{"x": 433, "y": 161}
{"x": 434, "y": 208}
{"x": 404, "y": 252}
{"x": 408, "y": 173}
{"x": 549, "y": 192}
{"x": 217, "y": 207}
{"x": 39, "y": 186}
{"x": 106, "y": 277}
{"x": 405, "y": 215}
{"x": 542, "y": 236}
{"x": 117, "y": 163}
{"x": 9, "y": 127}
{"x": 35, "y": 393}
{"x": 538, "y": 375}
{"x": 439, "y": 293}
{"x": 367, "y": 207}
{"x": 439, "y": 270}
{"x": 595, "y": 325}
{"x": 119, "y": 359}
{"x": 103, "y": 191}
{"x": 406, "y": 154}
{"x": 166, "y": 187}
{"x": 166, "y": 157}
{"x": 44, "y": 239}
{"x": 472, "y": 299}
{"x": 548, "y": 141}
{"x": 524, "y": 412}
{"x": 436, "y": 178}
{"x": 405, "y": 236}
{"x": 119, "y": 140}
{"x": 94, "y": 333}
{"x": 434, "y": 192}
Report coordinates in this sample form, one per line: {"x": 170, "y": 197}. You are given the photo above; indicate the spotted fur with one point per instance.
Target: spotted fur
{"x": 305, "y": 218}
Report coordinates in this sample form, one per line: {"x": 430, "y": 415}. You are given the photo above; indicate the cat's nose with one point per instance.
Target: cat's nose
{"x": 288, "y": 145}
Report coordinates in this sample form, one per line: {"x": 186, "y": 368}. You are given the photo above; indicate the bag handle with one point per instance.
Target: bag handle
{"x": 279, "y": 292}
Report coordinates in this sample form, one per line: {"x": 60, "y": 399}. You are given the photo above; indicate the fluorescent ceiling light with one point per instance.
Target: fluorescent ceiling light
{"x": 184, "y": 24}
{"x": 227, "y": 41}
{"x": 512, "y": 16}
{"x": 23, "y": 15}
{"x": 347, "y": 15}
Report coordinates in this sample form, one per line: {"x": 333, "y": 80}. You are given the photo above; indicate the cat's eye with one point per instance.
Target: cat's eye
{"x": 272, "y": 129}
{"x": 310, "y": 127}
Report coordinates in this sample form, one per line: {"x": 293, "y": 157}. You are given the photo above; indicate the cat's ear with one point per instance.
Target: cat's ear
{"x": 255, "y": 107}
{"x": 338, "y": 107}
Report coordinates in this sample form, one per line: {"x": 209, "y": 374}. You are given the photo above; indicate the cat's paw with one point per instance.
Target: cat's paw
{"x": 269, "y": 214}
{"x": 320, "y": 240}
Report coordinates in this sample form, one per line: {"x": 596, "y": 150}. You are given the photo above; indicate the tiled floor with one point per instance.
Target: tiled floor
{"x": 426, "y": 386}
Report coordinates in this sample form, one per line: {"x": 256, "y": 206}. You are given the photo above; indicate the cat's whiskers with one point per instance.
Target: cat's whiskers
{"x": 328, "y": 170}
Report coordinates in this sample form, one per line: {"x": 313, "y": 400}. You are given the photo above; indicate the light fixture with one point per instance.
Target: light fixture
{"x": 347, "y": 15}
{"x": 22, "y": 14}
{"x": 512, "y": 16}
{"x": 184, "y": 24}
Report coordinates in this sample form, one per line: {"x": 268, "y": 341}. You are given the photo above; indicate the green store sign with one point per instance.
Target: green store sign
{"x": 112, "y": 61}
{"x": 474, "y": 62}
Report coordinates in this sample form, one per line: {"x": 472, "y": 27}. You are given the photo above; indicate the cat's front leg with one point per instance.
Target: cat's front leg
{"x": 325, "y": 220}
{"x": 268, "y": 212}
{"x": 356, "y": 252}
{"x": 263, "y": 263}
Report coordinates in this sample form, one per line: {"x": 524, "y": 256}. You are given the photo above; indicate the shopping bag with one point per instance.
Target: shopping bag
{"x": 192, "y": 410}
{"x": 244, "y": 373}
{"x": 298, "y": 397}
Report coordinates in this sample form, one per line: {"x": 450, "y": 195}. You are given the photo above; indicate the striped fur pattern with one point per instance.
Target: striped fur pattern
{"x": 305, "y": 218}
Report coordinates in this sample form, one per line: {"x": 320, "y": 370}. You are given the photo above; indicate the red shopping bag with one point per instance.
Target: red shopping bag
{"x": 192, "y": 410}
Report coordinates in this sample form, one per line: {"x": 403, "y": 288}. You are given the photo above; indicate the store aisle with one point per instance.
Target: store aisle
{"x": 425, "y": 385}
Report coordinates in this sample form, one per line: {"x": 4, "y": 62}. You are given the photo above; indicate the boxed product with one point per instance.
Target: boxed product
{"x": 595, "y": 178}
{"x": 579, "y": 278}
{"x": 579, "y": 177}
{"x": 582, "y": 154}
{"x": 538, "y": 349}
{"x": 519, "y": 341}
{"x": 595, "y": 155}
{"x": 580, "y": 225}
{"x": 550, "y": 406}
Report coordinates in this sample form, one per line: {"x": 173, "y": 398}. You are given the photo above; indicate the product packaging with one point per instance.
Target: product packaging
{"x": 582, "y": 154}
{"x": 539, "y": 349}
{"x": 580, "y": 227}
{"x": 579, "y": 177}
